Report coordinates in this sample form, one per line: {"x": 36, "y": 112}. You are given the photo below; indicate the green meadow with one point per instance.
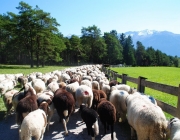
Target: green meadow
{"x": 163, "y": 75}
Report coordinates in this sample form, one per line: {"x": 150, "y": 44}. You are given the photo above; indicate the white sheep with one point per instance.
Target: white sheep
{"x": 87, "y": 77}
{"x": 7, "y": 85}
{"x": 38, "y": 85}
{"x": 87, "y": 83}
{"x": 107, "y": 89}
{"x": 146, "y": 118}
{"x": 126, "y": 88}
{"x": 84, "y": 94}
{"x": 64, "y": 77}
{"x": 53, "y": 86}
{"x": 34, "y": 124}
{"x": 174, "y": 128}
{"x": 72, "y": 88}
{"x": 95, "y": 85}
{"x": 117, "y": 98}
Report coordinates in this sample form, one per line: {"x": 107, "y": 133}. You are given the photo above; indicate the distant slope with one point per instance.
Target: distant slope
{"x": 166, "y": 42}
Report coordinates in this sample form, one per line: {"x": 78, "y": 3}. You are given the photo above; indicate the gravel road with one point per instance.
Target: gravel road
{"x": 77, "y": 130}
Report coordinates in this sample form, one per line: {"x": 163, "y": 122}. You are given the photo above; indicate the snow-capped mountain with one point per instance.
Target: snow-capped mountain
{"x": 166, "y": 42}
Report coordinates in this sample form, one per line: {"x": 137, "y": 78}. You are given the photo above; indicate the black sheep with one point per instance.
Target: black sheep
{"x": 90, "y": 117}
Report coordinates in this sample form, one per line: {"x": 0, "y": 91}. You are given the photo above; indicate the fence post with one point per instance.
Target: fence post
{"x": 124, "y": 79}
{"x": 178, "y": 103}
{"x": 115, "y": 76}
{"x": 141, "y": 88}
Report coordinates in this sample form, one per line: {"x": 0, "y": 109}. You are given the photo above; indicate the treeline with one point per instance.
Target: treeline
{"x": 32, "y": 37}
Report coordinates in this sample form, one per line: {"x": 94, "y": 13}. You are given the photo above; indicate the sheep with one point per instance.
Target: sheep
{"x": 97, "y": 95}
{"x": 6, "y": 85}
{"x": 87, "y": 83}
{"x": 90, "y": 117}
{"x": 106, "y": 89}
{"x": 174, "y": 128}
{"x": 146, "y": 118}
{"x": 65, "y": 105}
{"x": 95, "y": 85}
{"x": 64, "y": 77}
{"x": 7, "y": 98}
{"x": 53, "y": 86}
{"x": 87, "y": 78}
{"x": 27, "y": 104}
{"x": 107, "y": 115}
{"x": 72, "y": 88}
{"x": 113, "y": 83}
{"x": 126, "y": 88}
{"x": 47, "y": 96}
{"x": 34, "y": 124}
{"x": 38, "y": 85}
{"x": 62, "y": 85}
{"x": 22, "y": 80}
{"x": 16, "y": 98}
{"x": 117, "y": 98}
{"x": 84, "y": 94}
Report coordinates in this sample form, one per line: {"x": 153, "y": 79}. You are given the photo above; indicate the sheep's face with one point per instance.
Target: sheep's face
{"x": 174, "y": 122}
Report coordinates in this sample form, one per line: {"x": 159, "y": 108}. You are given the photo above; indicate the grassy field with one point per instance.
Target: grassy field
{"x": 164, "y": 75}
{"x": 25, "y": 69}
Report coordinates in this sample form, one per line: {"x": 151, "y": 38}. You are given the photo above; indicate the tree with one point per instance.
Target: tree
{"x": 114, "y": 48}
{"x": 129, "y": 52}
{"x": 76, "y": 48}
{"x": 93, "y": 44}
{"x": 39, "y": 34}
{"x": 140, "y": 54}
{"x": 150, "y": 56}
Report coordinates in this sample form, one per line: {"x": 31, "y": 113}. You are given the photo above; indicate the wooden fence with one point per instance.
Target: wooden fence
{"x": 142, "y": 82}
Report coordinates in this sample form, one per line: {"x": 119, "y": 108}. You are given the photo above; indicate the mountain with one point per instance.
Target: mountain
{"x": 166, "y": 42}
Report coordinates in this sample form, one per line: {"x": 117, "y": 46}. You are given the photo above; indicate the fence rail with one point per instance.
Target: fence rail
{"x": 142, "y": 83}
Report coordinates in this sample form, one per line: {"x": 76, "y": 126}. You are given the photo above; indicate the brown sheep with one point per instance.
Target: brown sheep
{"x": 107, "y": 115}
{"x": 65, "y": 105}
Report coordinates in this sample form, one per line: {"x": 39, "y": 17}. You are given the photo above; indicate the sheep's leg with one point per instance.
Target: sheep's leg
{"x": 96, "y": 127}
{"x": 123, "y": 117}
{"x": 92, "y": 132}
{"x": 133, "y": 134}
{"x": 65, "y": 127}
{"x": 49, "y": 119}
{"x": 88, "y": 129}
{"x": 104, "y": 127}
{"x": 67, "y": 119}
{"x": 112, "y": 131}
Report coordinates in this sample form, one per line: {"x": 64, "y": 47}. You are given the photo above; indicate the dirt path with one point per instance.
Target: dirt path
{"x": 77, "y": 130}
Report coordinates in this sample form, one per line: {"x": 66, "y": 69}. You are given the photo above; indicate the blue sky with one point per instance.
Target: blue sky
{"x": 107, "y": 15}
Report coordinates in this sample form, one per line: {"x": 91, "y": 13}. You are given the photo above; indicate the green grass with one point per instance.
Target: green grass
{"x": 25, "y": 69}
{"x": 163, "y": 75}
